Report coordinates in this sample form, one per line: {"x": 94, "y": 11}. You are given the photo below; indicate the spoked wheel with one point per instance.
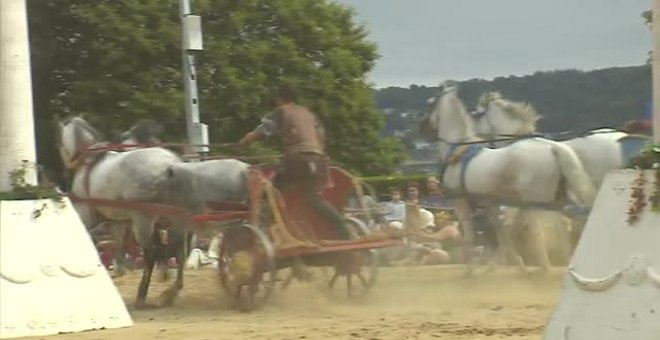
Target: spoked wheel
{"x": 358, "y": 267}
{"x": 246, "y": 263}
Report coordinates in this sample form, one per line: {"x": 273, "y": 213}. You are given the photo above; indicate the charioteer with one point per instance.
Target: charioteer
{"x": 305, "y": 163}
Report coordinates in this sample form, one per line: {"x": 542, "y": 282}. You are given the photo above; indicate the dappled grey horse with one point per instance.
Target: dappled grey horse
{"x": 132, "y": 176}
{"x": 198, "y": 184}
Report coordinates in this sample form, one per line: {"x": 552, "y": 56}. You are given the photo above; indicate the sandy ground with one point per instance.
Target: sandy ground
{"x": 406, "y": 303}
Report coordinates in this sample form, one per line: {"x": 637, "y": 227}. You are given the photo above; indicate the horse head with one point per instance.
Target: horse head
{"x": 145, "y": 131}
{"x": 76, "y": 135}
{"x": 446, "y": 118}
{"x": 498, "y": 116}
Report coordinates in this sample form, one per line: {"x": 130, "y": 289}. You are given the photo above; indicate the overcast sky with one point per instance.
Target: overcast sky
{"x": 428, "y": 41}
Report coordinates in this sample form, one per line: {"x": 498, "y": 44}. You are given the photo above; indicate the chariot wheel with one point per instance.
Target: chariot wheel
{"x": 246, "y": 265}
{"x": 359, "y": 268}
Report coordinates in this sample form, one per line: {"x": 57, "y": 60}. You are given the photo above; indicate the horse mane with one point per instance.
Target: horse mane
{"x": 523, "y": 111}
{"x": 488, "y": 97}
{"x": 79, "y": 121}
{"x": 466, "y": 124}
{"x": 145, "y": 130}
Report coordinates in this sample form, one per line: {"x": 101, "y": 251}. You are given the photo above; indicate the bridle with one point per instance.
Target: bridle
{"x": 76, "y": 160}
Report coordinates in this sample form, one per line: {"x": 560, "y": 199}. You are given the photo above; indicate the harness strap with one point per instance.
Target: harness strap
{"x": 464, "y": 160}
{"x": 95, "y": 160}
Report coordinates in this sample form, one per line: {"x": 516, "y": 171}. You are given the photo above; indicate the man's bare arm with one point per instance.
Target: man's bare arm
{"x": 249, "y": 138}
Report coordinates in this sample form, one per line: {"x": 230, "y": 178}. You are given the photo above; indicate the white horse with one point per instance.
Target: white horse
{"x": 132, "y": 176}
{"x": 527, "y": 173}
{"x": 492, "y": 121}
{"x": 600, "y": 151}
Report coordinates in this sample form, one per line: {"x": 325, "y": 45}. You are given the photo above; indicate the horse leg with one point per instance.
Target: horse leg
{"x": 143, "y": 289}
{"x": 506, "y": 248}
{"x": 289, "y": 279}
{"x": 87, "y": 215}
{"x": 565, "y": 242}
{"x": 119, "y": 232}
{"x": 142, "y": 231}
{"x": 163, "y": 270}
{"x": 169, "y": 294}
{"x": 464, "y": 214}
{"x": 537, "y": 241}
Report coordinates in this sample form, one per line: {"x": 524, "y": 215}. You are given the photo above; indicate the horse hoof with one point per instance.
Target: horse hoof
{"x": 143, "y": 305}
{"x": 538, "y": 273}
{"x": 115, "y": 274}
{"x": 167, "y": 297}
{"x": 248, "y": 307}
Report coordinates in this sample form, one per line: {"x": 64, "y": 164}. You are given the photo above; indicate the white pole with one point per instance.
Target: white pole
{"x": 656, "y": 70}
{"x": 195, "y": 130}
{"x": 16, "y": 121}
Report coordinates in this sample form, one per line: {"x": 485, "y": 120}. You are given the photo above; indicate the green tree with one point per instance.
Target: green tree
{"x": 648, "y": 17}
{"x": 568, "y": 100}
{"x": 120, "y": 61}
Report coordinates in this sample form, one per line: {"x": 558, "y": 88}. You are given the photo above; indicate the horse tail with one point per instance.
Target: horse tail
{"x": 579, "y": 186}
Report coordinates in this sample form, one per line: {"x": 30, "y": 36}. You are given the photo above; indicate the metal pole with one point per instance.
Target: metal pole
{"x": 656, "y": 70}
{"x": 195, "y": 130}
{"x": 16, "y": 120}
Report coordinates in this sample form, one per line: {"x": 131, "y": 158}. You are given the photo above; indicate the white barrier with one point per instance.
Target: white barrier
{"x": 51, "y": 279}
{"x": 612, "y": 289}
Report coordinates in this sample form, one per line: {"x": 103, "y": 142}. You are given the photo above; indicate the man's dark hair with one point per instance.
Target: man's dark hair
{"x": 287, "y": 93}
{"x": 412, "y": 185}
{"x": 394, "y": 189}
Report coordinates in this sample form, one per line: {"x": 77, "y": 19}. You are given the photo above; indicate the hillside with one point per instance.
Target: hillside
{"x": 567, "y": 99}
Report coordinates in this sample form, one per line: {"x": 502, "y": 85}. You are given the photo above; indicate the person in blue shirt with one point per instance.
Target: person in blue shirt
{"x": 395, "y": 210}
{"x": 435, "y": 198}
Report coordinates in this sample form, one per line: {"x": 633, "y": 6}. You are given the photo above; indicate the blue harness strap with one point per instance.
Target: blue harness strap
{"x": 470, "y": 153}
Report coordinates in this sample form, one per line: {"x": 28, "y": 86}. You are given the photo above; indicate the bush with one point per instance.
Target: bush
{"x": 649, "y": 158}
{"x": 21, "y": 190}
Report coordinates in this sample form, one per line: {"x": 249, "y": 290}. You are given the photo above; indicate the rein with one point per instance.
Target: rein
{"x": 550, "y": 136}
{"x": 564, "y": 135}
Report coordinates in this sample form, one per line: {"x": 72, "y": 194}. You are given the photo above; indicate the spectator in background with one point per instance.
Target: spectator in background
{"x": 395, "y": 209}
{"x": 412, "y": 193}
{"x": 435, "y": 198}
{"x": 356, "y": 209}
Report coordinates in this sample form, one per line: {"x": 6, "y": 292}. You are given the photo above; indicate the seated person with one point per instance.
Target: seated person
{"x": 204, "y": 252}
{"x": 356, "y": 209}
{"x": 441, "y": 227}
{"x": 435, "y": 198}
{"x": 394, "y": 211}
{"x": 412, "y": 193}
{"x": 426, "y": 245}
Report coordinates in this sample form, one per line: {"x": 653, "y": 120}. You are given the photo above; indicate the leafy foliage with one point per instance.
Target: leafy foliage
{"x": 649, "y": 158}
{"x": 120, "y": 61}
{"x": 648, "y": 17}
{"x": 21, "y": 190}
